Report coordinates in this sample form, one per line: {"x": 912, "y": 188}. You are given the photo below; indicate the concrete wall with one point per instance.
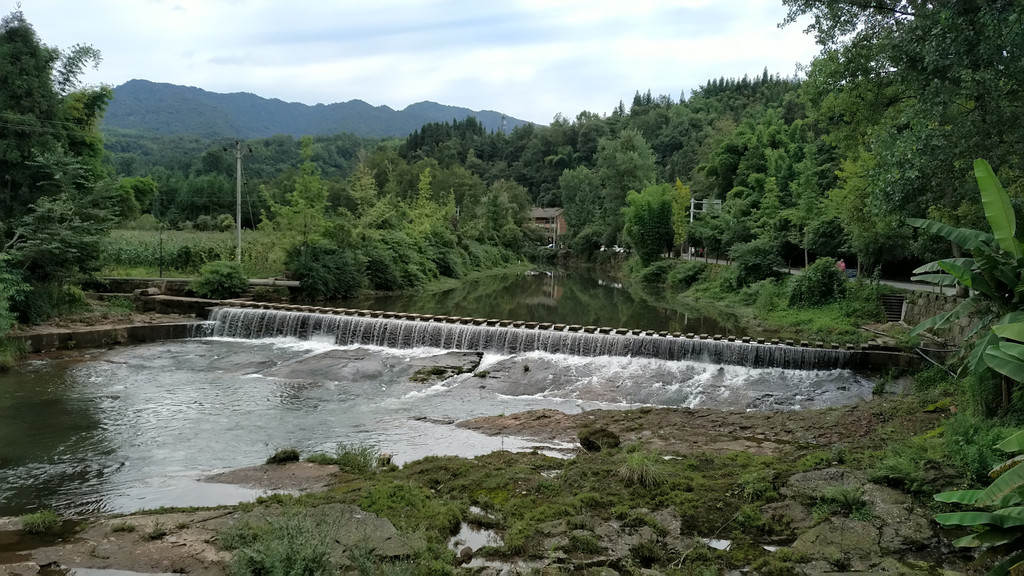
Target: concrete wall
{"x": 105, "y": 336}
{"x": 921, "y": 306}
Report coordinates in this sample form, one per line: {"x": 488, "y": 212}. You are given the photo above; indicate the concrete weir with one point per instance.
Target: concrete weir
{"x": 364, "y": 327}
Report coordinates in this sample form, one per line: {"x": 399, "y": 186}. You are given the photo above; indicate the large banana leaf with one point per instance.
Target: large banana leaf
{"x": 998, "y": 209}
{"x": 1000, "y": 271}
{"x": 937, "y": 279}
{"x": 965, "y": 237}
{"x": 979, "y": 519}
{"x": 1015, "y": 511}
{"x": 934, "y": 266}
{"x": 1010, "y": 566}
{"x": 1014, "y": 443}
{"x": 959, "y": 496}
{"x": 1000, "y": 469}
{"x": 962, "y": 273}
{"x": 1002, "y": 487}
{"x": 1006, "y": 361}
{"x": 1013, "y": 331}
{"x": 976, "y": 361}
{"x": 990, "y": 537}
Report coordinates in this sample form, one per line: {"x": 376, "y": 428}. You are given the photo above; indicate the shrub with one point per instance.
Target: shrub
{"x": 11, "y": 351}
{"x": 325, "y": 271}
{"x": 820, "y": 284}
{"x": 40, "y": 522}
{"x": 656, "y": 274}
{"x": 971, "y": 442}
{"x": 44, "y": 301}
{"x": 686, "y": 274}
{"x": 284, "y": 456}
{"x": 220, "y": 280}
{"x": 754, "y": 261}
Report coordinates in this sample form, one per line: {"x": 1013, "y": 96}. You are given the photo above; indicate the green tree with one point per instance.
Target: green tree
{"x": 918, "y": 87}
{"x": 624, "y": 163}
{"x": 303, "y": 218}
{"x": 648, "y": 226}
{"x": 680, "y": 213}
{"x": 581, "y": 197}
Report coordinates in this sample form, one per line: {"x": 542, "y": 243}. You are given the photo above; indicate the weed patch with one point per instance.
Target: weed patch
{"x": 40, "y": 522}
{"x": 358, "y": 459}
{"x": 122, "y": 526}
{"x": 284, "y": 456}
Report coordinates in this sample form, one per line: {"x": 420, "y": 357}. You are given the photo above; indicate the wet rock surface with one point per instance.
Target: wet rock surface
{"x": 290, "y": 477}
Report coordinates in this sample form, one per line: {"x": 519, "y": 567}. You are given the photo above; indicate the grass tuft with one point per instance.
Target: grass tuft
{"x": 643, "y": 468}
{"x": 122, "y": 526}
{"x": 284, "y": 456}
{"x": 40, "y": 522}
{"x": 358, "y": 459}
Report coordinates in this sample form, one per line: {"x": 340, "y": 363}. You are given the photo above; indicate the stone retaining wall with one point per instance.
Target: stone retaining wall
{"x": 70, "y": 338}
{"x": 921, "y": 306}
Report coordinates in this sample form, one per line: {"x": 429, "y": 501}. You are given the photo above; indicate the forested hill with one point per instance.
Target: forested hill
{"x": 172, "y": 110}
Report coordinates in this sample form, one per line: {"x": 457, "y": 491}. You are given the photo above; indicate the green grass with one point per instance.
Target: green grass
{"x": 359, "y": 459}
{"x": 283, "y": 456}
{"x": 10, "y": 352}
{"x": 40, "y": 522}
{"x": 644, "y": 468}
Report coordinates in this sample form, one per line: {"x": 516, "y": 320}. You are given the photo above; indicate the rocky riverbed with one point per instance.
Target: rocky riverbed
{"x": 736, "y": 464}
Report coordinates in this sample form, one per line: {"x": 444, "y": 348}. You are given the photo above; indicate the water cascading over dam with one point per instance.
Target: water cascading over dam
{"x": 399, "y": 331}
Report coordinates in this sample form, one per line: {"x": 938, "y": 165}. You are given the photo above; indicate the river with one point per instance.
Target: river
{"x": 139, "y": 427}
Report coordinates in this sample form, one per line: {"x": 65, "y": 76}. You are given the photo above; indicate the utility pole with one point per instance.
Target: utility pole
{"x": 238, "y": 201}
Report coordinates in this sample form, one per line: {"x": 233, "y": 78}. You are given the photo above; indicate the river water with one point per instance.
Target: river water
{"x": 139, "y": 427}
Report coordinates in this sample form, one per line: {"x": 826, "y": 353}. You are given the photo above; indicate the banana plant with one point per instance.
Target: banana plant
{"x": 1002, "y": 529}
{"x": 995, "y": 276}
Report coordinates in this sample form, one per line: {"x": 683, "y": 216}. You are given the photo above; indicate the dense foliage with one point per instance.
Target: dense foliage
{"x": 56, "y": 202}
{"x": 220, "y": 280}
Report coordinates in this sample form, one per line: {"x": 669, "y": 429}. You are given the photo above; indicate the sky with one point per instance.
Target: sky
{"x": 530, "y": 59}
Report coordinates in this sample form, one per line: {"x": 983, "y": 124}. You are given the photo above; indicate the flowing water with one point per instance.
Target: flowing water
{"x": 140, "y": 427}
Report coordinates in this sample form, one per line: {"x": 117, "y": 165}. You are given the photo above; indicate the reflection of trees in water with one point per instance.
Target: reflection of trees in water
{"x": 573, "y": 297}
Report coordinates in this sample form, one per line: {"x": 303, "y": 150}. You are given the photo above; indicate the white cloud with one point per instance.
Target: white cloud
{"x": 528, "y": 58}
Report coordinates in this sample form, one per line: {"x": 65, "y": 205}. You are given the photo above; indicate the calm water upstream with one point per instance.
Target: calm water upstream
{"x": 558, "y": 297}
{"x": 140, "y": 427}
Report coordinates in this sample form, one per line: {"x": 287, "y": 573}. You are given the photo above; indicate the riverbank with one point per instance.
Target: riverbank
{"x": 683, "y": 492}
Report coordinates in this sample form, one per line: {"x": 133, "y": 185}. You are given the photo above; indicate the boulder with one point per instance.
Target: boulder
{"x": 597, "y": 439}
{"x": 840, "y": 537}
{"x": 808, "y": 485}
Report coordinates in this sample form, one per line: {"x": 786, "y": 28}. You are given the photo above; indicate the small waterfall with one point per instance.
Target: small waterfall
{"x": 462, "y": 334}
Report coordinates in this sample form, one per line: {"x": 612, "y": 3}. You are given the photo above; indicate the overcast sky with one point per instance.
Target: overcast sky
{"x": 530, "y": 59}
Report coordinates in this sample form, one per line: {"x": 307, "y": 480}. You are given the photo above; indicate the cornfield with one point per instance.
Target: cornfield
{"x": 185, "y": 252}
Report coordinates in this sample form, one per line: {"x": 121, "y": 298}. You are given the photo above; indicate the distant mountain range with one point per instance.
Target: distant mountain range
{"x": 172, "y": 110}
